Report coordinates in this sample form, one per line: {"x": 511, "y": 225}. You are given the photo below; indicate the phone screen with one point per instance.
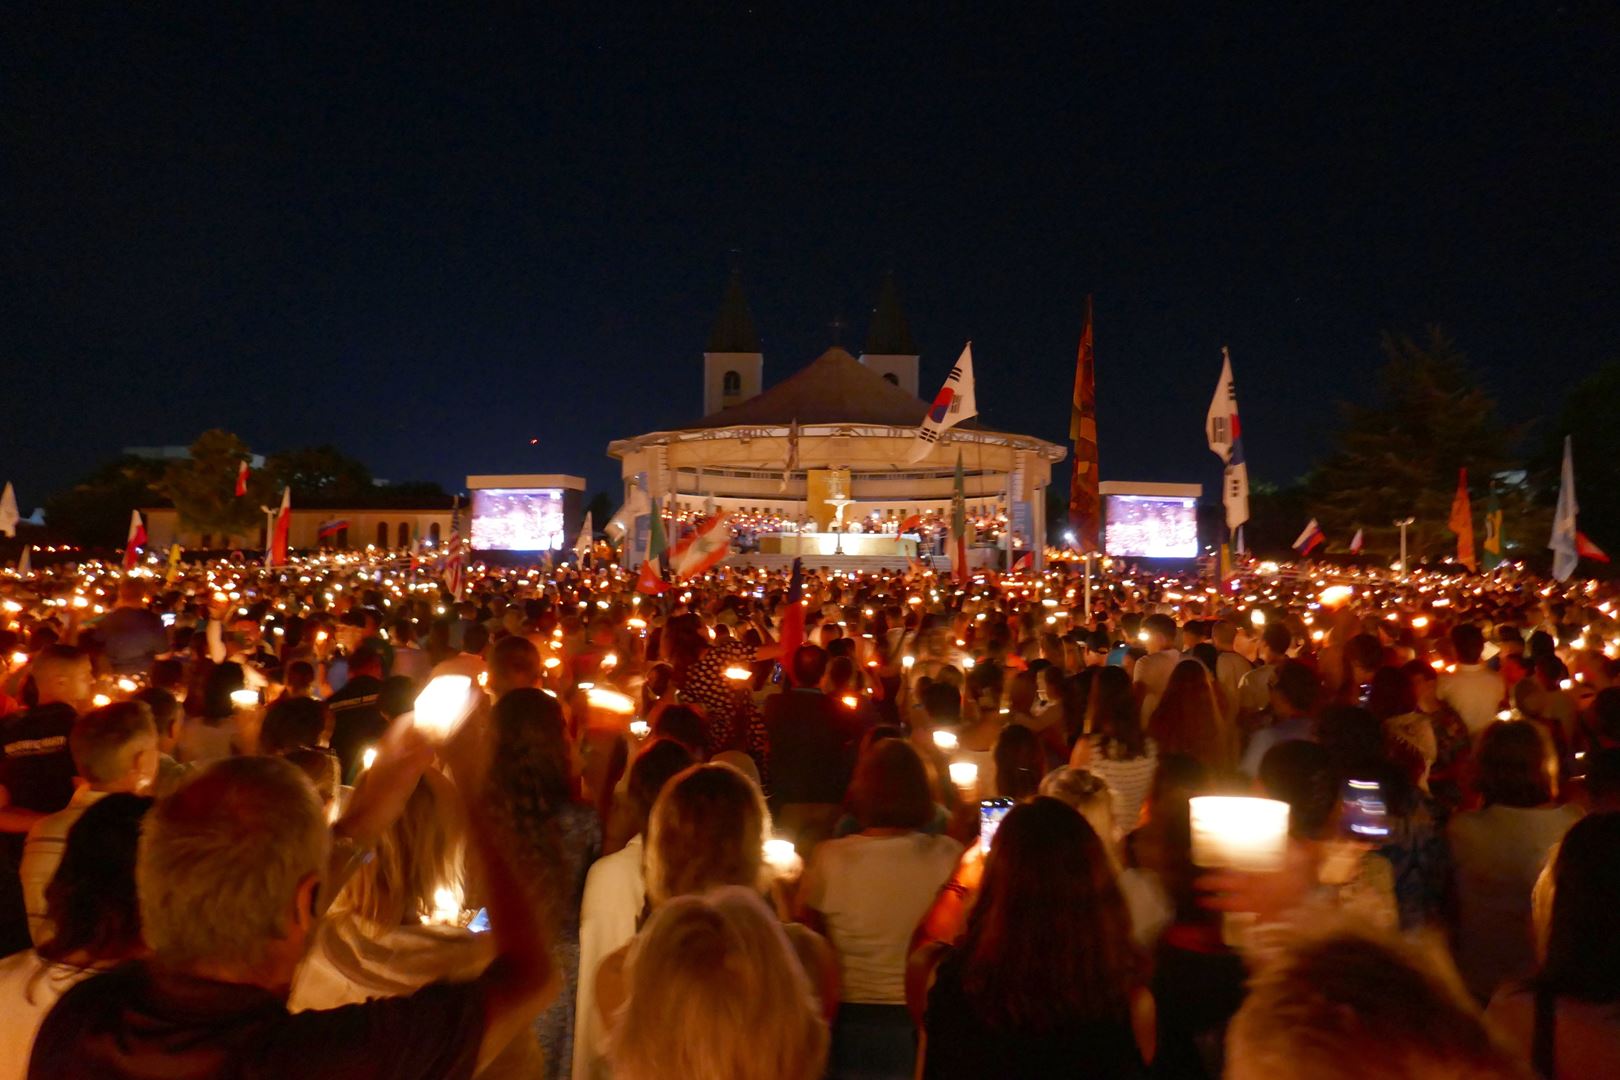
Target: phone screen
{"x": 1363, "y": 815}
{"x": 480, "y": 921}
{"x": 991, "y": 811}
{"x": 168, "y": 618}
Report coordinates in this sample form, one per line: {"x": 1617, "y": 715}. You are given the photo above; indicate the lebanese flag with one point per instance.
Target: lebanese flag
{"x": 648, "y": 581}
{"x": 277, "y": 553}
{"x": 241, "y": 478}
{"x": 135, "y": 541}
{"x": 1024, "y": 562}
{"x": 1588, "y": 550}
{"x": 709, "y": 543}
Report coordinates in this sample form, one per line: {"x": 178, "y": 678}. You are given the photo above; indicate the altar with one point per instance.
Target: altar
{"x": 827, "y": 543}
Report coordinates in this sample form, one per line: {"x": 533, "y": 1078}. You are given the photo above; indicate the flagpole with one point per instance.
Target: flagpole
{"x": 1088, "y": 588}
{"x": 1403, "y": 523}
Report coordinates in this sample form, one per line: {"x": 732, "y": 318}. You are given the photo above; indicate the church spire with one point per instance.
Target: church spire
{"x": 889, "y": 334}
{"x": 889, "y": 349}
{"x": 734, "y": 327}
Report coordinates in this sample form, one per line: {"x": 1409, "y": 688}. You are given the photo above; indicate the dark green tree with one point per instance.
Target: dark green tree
{"x": 1399, "y": 456}
{"x": 95, "y": 511}
{"x": 1586, "y": 418}
{"x": 203, "y": 488}
{"x": 320, "y": 476}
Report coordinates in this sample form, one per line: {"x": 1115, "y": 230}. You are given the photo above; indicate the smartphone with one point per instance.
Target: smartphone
{"x": 1363, "y": 814}
{"x": 480, "y": 921}
{"x": 991, "y": 811}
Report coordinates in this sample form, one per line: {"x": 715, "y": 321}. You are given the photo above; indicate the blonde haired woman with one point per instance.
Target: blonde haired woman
{"x": 707, "y": 831}
{"x": 715, "y": 989}
{"x": 385, "y": 935}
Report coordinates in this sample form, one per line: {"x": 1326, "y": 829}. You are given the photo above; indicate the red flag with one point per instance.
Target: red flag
{"x": 1024, "y": 562}
{"x": 1588, "y": 550}
{"x": 791, "y": 634}
{"x": 135, "y": 541}
{"x": 277, "y": 553}
{"x": 1462, "y": 522}
{"x": 241, "y": 478}
{"x": 649, "y": 581}
{"x": 910, "y": 523}
{"x": 1085, "y": 516}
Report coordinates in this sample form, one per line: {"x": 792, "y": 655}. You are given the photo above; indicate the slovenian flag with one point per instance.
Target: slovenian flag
{"x": 1310, "y": 539}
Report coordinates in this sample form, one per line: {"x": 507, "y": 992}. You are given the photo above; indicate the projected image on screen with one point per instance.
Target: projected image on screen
{"x": 1151, "y": 527}
{"x": 517, "y": 519}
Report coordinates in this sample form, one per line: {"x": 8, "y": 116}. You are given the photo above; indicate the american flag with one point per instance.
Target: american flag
{"x": 455, "y": 554}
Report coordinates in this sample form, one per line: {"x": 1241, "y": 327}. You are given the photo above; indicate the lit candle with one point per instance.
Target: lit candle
{"x": 780, "y": 855}
{"x": 244, "y": 699}
{"x": 1239, "y": 833}
{"x": 946, "y": 740}
{"x": 443, "y": 704}
{"x": 964, "y": 774}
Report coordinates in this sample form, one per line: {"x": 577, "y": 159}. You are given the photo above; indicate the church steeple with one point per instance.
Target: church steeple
{"x": 734, "y": 327}
{"x": 733, "y": 363}
{"x": 889, "y": 348}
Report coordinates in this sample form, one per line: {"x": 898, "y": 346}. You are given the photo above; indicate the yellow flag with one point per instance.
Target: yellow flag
{"x": 174, "y": 563}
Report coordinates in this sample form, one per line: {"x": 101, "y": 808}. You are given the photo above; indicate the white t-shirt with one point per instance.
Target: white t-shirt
{"x": 872, "y": 891}
{"x": 1476, "y": 692}
{"x": 24, "y": 1001}
{"x": 614, "y": 893}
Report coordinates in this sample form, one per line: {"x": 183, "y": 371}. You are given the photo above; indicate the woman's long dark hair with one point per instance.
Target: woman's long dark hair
{"x": 91, "y": 900}
{"x": 530, "y": 780}
{"x": 1112, "y": 712}
{"x": 1583, "y": 938}
{"x": 1189, "y": 719}
{"x": 1048, "y": 943}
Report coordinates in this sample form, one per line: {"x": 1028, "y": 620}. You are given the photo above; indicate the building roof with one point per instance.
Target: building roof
{"x": 889, "y": 334}
{"x": 835, "y": 388}
{"x": 734, "y": 327}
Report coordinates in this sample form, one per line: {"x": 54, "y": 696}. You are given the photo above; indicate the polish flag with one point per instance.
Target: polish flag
{"x": 241, "y": 478}
{"x": 277, "y": 554}
{"x": 135, "y": 541}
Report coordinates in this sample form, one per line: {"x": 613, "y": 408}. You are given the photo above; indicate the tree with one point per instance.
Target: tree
{"x": 1596, "y": 438}
{"x": 95, "y": 511}
{"x": 203, "y": 488}
{"x": 1399, "y": 456}
{"x": 320, "y": 475}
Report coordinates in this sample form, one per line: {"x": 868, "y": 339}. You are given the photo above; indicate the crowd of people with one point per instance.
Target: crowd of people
{"x": 874, "y": 825}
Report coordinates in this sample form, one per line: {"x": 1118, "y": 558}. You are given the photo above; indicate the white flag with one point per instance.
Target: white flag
{"x": 1565, "y": 547}
{"x": 1225, "y": 434}
{"x": 8, "y": 511}
{"x": 954, "y": 403}
{"x": 582, "y": 545}
{"x": 25, "y": 562}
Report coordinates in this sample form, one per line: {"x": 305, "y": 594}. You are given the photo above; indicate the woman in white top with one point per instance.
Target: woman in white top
{"x": 1565, "y": 1020}
{"x": 1498, "y": 851}
{"x": 866, "y": 892}
{"x": 91, "y": 902}
{"x": 1115, "y": 747}
{"x": 615, "y": 897}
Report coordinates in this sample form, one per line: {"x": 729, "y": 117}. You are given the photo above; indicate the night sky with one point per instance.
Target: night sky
{"x": 429, "y": 239}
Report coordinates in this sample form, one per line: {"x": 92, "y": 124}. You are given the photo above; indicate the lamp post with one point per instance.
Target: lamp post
{"x": 1402, "y": 524}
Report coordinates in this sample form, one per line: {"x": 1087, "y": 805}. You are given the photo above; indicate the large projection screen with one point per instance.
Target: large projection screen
{"x": 1151, "y": 527}
{"x": 517, "y": 519}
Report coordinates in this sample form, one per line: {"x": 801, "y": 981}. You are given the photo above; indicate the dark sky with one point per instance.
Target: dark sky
{"x": 431, "y": 238}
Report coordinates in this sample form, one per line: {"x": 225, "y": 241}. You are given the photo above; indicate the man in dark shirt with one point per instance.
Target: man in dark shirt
{"x": 811, "y": 738}
{"x": 357, "y": 721}
{"x": 36, "y": 771}
{"x": 131, "y": 636}
{"x": 227, "y": 878}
